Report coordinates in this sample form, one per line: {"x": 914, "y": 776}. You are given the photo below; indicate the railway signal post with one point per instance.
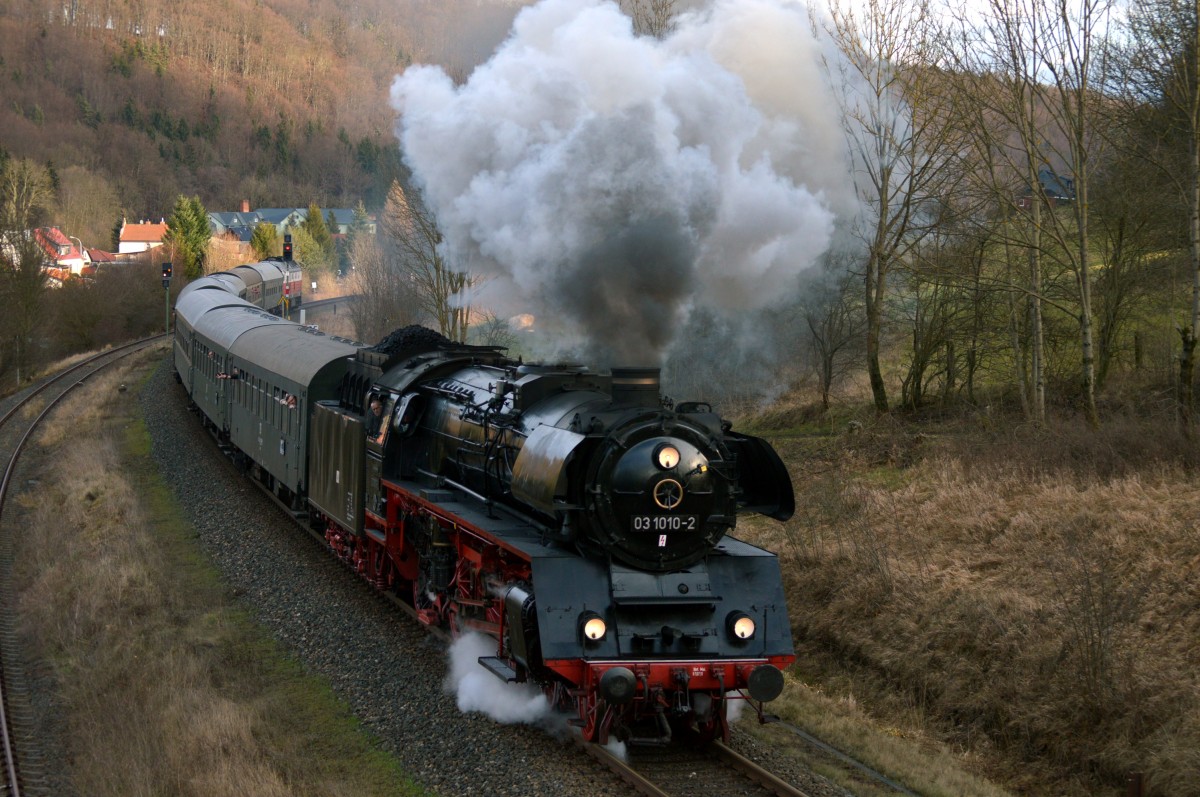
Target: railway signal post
{"x": 166, "y": 278}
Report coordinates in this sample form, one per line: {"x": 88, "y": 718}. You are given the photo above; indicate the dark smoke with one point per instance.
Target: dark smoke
{"x": 611, "y": 185}
{"x": 629, "y": 289}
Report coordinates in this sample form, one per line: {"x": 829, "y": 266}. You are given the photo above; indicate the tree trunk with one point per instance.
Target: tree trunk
{"x": 874, "y": 296}
{"x": 1037, "y": 375}
{"x": 1087, "y": 342}
{"x": 1187, "y": 371}
{"x": 1187, "y": 352}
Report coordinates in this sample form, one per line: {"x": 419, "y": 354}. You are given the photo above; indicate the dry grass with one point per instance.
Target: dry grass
{"x": 165, "y": 688}
{"x": 1031, "y": 599}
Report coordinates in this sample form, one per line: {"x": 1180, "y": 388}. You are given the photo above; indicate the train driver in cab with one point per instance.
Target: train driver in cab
{"x": 376, "y": 429}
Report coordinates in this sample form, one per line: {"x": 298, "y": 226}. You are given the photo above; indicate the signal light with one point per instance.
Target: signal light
{"x": 287, "y": 247}
{"x": 166, "y": 271}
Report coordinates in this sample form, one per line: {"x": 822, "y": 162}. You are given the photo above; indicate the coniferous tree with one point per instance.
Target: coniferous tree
{"x": 337, "y": 252}
{"x": 115, "y": 240}
{"x": 265, "y": 241}
{"x": 314, "y": 225}
{"x": 188, "y": 236}
{"x": 311, "y": 256}
{"x": 361, "y": 222}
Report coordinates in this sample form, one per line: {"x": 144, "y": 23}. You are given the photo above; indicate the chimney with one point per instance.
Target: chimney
{"x": 637, "y": 387}
{"x": 245, "y": 205}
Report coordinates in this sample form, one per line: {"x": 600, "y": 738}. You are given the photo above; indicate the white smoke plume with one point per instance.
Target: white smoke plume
{"x": 610, "y": 184}
{"x": 476, "y": 689}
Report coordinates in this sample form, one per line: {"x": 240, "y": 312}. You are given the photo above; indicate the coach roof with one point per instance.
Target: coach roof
{"x": 225, "y": 323}
{"x": 193, "y": 305}
{"x": 293, "y": 352}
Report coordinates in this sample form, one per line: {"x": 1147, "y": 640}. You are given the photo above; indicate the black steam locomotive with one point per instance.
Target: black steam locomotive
{"x": 579, "y": 519}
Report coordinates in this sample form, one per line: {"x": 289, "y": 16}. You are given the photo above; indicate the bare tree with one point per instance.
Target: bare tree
{"x": 385, "y": 297}
{"x": 492, "y": 330}
{"x": 1074, "y": 35}
{"x": 1034, "y": 65}
{"x": 835, "y": 327}
{"x": 1158, "y": 80}
{"x": 25, "y": 193}
{"x": 996, "y": 72}
{"x": 651, "y": 17}
{"x": 898, "y": 120}
{"x": 22, "y": 294}
{"x": 440, "y": 289}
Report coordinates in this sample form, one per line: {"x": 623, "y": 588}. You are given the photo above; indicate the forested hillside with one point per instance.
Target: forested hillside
{"x": 278, "y": 102}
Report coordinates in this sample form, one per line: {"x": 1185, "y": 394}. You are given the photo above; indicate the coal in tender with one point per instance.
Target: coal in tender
{"x": 410, "y": 338}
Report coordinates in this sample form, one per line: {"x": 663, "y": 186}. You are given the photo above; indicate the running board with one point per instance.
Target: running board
{"x": 499, "y": 668}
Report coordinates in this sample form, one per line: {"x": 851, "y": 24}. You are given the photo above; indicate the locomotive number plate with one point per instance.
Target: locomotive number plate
{"x": 664, "y": 523}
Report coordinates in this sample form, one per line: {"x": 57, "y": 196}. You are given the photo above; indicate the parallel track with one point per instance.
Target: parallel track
{"x": 23, "y": 764}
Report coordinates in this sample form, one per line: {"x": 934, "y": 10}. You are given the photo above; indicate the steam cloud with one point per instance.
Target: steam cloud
{"x": 612, "y": 184}
{"x": 476, "y": 689}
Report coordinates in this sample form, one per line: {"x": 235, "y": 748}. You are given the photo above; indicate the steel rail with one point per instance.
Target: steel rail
{"x": 718, "y": 751}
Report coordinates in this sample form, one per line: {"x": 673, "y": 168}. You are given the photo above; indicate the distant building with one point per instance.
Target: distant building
{"x": 1057, "y": 188}
{"x": 63, "y": 259}
{"x": 239, "y": 225}
{"x": 100, "y": 258}
{"x": 141, "y": 237}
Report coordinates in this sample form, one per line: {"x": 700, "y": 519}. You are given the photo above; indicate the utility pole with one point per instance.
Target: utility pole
{"x": 166, "y": 278}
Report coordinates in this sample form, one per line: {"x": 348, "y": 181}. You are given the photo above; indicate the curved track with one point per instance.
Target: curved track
{"x": 23, "y": 765}
{"x": 673, "y": 771}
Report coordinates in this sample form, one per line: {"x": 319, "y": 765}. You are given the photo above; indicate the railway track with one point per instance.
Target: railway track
{"x": 677, "y": 770}
{"x": 24, "y": 764}
{"x": 672, "y": 771}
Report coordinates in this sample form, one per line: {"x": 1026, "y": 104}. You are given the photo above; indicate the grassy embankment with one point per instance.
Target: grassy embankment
{"x": 1025, "y": 600}
{"x": 165, "y": 686}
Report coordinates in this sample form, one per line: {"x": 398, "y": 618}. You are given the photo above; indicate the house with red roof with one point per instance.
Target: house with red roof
{"x": 141, "y": 237}
{"x": 63, "y": 259}
{"x": 100, "y": 257}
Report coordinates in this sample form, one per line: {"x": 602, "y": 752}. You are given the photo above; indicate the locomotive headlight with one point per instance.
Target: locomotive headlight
{"x": 740, "y": 625}
{"x": 666, "y": 456}
{"x": 593, "y": 626}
